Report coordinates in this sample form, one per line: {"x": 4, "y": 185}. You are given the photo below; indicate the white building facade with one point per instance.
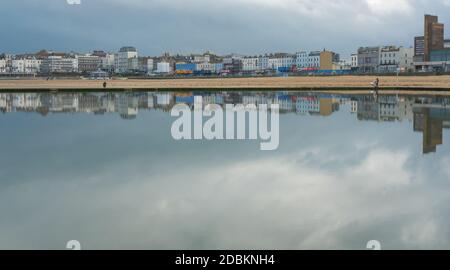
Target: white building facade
{"x": 313, "y": 60}
{"x": 25, "y": 66}
{"x": 406, "y": 59}
{"x": 389, "y": 59}
{"x": 301, "y": 60}
{"x": 250, "y": 64}
{"x": 58, "y": 64}
{"x": 202, "y": 58}
{"x": 150, "y": 65}
{"x": 263, "y": 63}
{"x": 205, "y": 66}
{"x": 108, "y": 62}
{"x": 396, "y": 59}
{"x": 276, "y": 63}
{"x": 2, "y": 66}
{"x": 127, "y": 60}
{"x": 163, "y": 67}
{"x": 354, "y": 61}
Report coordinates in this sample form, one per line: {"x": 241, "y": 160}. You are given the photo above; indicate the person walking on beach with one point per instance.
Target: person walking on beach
{"x": 104, "y": 84}
{"x": 376, "y": 85}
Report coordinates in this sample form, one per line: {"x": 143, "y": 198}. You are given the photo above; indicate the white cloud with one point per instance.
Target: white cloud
{"x": 341, "y": 25}
{"x": 383, "y": 168}
{"x": 272, "y": 203}
{"x": 422, "y": 233}
{"x": 386, "y": 7}
{"x": 307, "y": 7}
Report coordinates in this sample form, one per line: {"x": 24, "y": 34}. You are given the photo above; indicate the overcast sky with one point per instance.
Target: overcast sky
{"x": 221, "y": 26}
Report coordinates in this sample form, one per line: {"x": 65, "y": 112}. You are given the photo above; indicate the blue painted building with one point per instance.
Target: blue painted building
{"x": 186, "y": 67}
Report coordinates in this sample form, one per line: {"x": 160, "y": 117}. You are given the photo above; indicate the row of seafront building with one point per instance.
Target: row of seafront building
{"x": 128, "y": 62}
{"x": 431, "y": 53}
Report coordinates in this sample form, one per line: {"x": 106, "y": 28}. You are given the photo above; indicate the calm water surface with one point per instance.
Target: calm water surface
{"x": 102, "y": 168}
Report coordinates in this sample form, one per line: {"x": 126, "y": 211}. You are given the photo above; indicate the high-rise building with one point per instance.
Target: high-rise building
{"x": 127, "y": 60}
{"x": 419, "y": 46}
{"x": 434, "y": 36}
{"x": 447, "y": 43}
{"x": 436, "y": 53}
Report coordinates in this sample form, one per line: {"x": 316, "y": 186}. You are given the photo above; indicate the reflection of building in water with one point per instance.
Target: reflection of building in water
{"x": 255, "y": 99}
{"x": 70, "y": 102}
{"x": 163, "y": 99}
{"x": 405, "y": 109}
{"x": 354, "y": 106}
{"x": 388, "y": 108}
{"x": 150, "y": 102}
{"x": 127, "y": 106}
{"x": 328, "y": 106}
{"x": 368, "y": 109}
{"x": 308, "y": 105}
{"x": 233, "y": 98}
{"x": 108, "y": 103}
{"x": 258, "y": 99}
{"x": 2, "y": 102}
{"x": 315, "y": 105}
{"x": 26, "y": 102}
{"x": 59, "y": 103}
{"x": 89, "y": 103}
{"x": 285, "y": 102}
{"x": 385, "y": 108}
{"x": 5, "y": 103}
{"x": 212, "y": 99}
{"x": 431, "y": 121}
{"x": 142, "y": 101}
{"x": 188, "y": 100}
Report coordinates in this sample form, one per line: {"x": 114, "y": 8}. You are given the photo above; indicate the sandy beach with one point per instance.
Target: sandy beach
{"x": 419, "y": 83}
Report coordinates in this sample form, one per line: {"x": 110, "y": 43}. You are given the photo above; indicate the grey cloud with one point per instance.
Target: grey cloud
{"x": 243, "y": 26}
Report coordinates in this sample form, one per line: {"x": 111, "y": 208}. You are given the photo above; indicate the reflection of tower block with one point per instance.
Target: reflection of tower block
{"x": 431, "y": 128}
{"x": 432, "y": 135}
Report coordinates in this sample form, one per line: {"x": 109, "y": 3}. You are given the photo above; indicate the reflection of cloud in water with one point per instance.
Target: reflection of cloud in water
{"x": 287, "y": 202}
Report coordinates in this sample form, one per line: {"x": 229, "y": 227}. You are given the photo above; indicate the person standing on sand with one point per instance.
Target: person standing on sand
{"x": 376, "y": 85}
{"x": 104, "y": 84}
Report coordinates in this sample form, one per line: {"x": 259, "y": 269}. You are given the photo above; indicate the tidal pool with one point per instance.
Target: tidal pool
{"x": 103, "y": 169}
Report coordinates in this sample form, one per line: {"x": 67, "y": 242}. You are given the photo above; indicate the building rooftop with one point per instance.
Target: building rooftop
{"x": 128, "y": 49}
